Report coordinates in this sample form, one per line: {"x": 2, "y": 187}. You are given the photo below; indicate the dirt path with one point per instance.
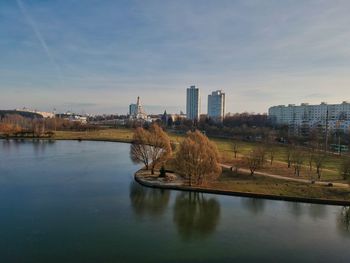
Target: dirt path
{"x": 288, "y": 178}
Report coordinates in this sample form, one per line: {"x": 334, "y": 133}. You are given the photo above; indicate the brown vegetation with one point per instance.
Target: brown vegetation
{"x": 198, "y": 158}
{"x": 150, "y": 147}
{"x": 345, "y": 168}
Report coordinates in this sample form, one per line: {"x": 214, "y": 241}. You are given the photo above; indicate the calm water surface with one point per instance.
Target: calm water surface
{"x": 77, "y": 202}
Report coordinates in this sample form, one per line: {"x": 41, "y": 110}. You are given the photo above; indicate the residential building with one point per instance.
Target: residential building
{"x": 216, "y": 105}
{"x": 132, "y": 109}
{"x": 327, "y": 116}
{"x": 193, "y": 103}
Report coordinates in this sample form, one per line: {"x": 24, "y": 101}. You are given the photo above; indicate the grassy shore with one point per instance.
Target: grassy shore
{"x": 117, "y": 135}
{"x": 241, "y": 182}
{"x": 225, "y": 146}
{"x": 265, "y": 185}
{"x": 252, "y": 186}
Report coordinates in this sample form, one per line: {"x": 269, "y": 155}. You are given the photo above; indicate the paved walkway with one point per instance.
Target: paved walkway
{"x": 300, "y": 180}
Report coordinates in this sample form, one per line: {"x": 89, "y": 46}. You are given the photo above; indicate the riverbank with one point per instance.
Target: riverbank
{"x": 229, "y": 183}
{"x": 254, "y": 187}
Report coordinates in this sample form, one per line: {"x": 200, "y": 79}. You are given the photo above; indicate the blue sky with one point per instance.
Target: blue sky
{"x": 97, "y": 56}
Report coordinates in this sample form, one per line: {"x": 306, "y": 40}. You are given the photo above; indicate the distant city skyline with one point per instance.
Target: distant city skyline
{"x": 98, "y": 56}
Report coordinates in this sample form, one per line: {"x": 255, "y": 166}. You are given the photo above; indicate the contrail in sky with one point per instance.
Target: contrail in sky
{"x": 40, "y": 38}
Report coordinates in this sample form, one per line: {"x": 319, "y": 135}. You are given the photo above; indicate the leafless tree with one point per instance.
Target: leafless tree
{"x": 289, "y": 153}
{"x": 235, "y": 149}
{"x": 344, "y": 168}
{"x": 161, "y": 146}
{"x": 150, "y": 147}
{"x": 297, "y": 160}
{"x": 310, "y": 157}
{"x": 140, "y": 148}
{"x": 198, "y": 158}
{"x": 272, "y": 152}
{"x": 254, "y": 161}
{"x": 319, "y": 160}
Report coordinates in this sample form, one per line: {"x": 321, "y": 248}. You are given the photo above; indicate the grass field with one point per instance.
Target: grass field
{"x": 265, "y": 185}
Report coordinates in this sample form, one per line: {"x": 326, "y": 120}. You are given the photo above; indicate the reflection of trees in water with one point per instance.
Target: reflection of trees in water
{"x": 317, "y": 211}
{"x": 39, "y": 146}
{"x": 254, "y": 205}
{"x": 344, "y": 220}
{"x": 296, "y": 209}
{"x": 195, "y": 216}
{"x": 148, "y": 201}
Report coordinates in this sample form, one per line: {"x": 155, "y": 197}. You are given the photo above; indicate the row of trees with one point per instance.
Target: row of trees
{"x": 13, "y": 124}
{"x": 197, "y": 158}
{"x": 296, "y": 157}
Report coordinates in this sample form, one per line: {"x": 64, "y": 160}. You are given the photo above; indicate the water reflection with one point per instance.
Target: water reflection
{"x": 317, "y": 211}
{"x": 39, "y": 146}
{"x": 344, "y": 221}
{"x": 148, "y": 201}
{"x": 195, "y": 216}
{"x": 296, "y": 209}
{"x": 255, "y": 205}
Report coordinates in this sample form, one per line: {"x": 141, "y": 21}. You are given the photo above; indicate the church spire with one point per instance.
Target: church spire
{"x": 138, "y": 101}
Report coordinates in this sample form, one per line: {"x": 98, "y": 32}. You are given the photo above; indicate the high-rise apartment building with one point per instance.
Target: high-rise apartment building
{"x": 216, "y": 105}
{"x": 132, "y": 109}
{"x": 193, "y": 103}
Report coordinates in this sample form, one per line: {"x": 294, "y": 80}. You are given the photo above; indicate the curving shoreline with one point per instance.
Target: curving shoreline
{"x": 181, "y": 187}
{"x": 141, "y": 179}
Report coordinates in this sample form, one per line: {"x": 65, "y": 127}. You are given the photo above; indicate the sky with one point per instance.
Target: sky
{"x": 97, "y": 56}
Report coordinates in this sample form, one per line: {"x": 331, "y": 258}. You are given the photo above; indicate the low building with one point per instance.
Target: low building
{"x": 42, "y": 113}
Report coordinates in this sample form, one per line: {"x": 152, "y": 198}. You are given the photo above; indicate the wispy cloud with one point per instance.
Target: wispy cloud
{"x": 40, "y": 38}
{"x": 109, "y": 52}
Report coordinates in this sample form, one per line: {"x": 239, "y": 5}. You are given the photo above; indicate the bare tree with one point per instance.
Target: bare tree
{"x": 254, "y": 161}
{"x": 198, "y": 158}
{"x": 319, "y": 160}
{"x": 161, "y": 146}
{"x": 150, "y": 147}
{"x": 289, "y": 154}
{"x": 272, "y": 152}
{"x": 140, "y": 148}
{"x": 297, "y": 160}
{"x": 261, "y": 152}
{"x": 344, "y": 168}
{"x": 310, "y": 157}
{"x": 235, "y": 149}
